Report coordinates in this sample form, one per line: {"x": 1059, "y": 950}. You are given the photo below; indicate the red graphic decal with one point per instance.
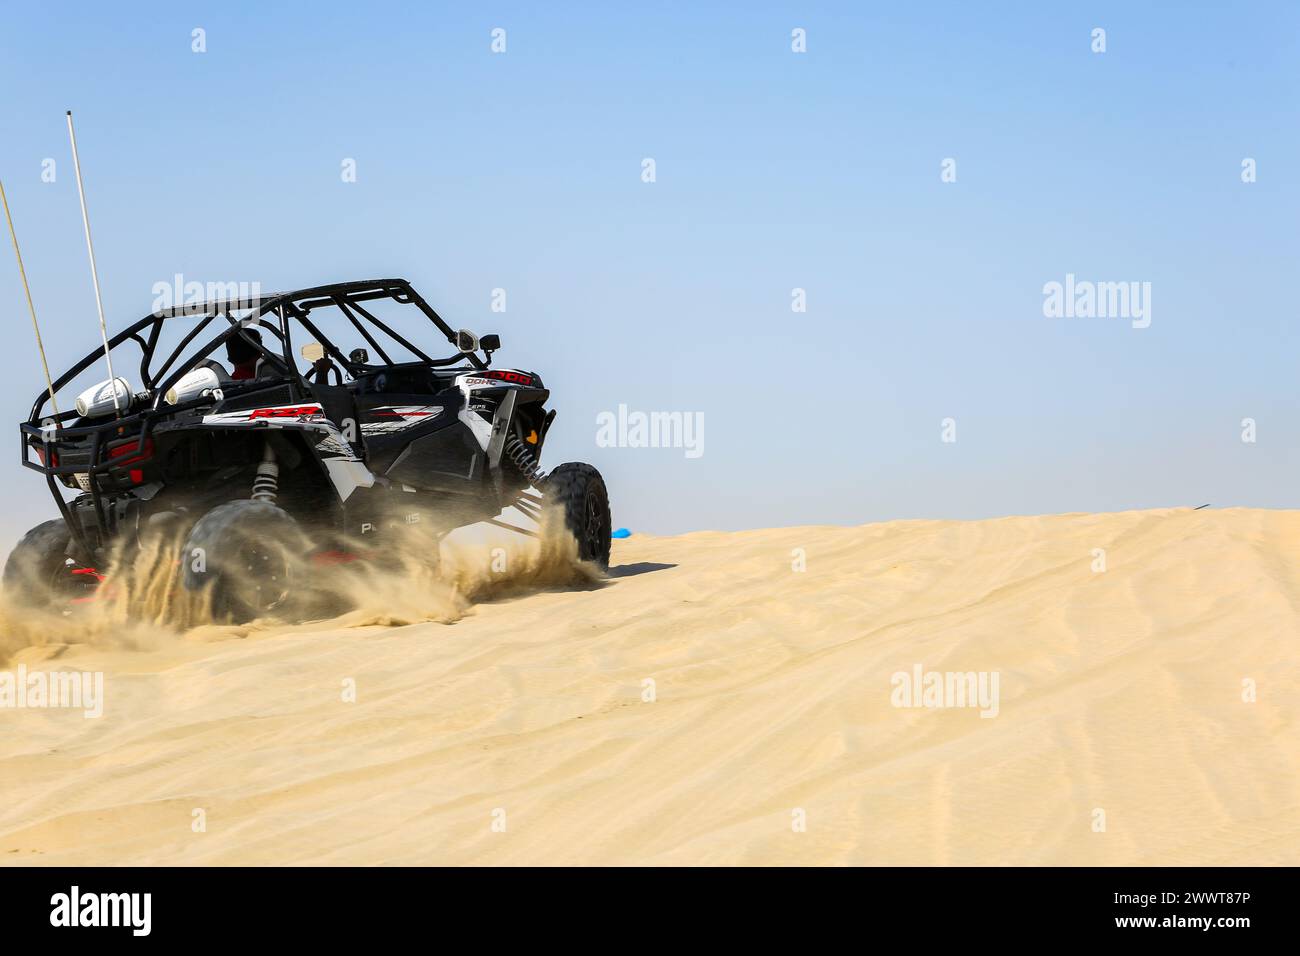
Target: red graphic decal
{"x": 334, "y": 557}
{"x": 288, "y": 411}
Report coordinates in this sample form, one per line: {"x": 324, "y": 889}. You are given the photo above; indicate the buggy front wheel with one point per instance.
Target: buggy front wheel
{"x": 578, "y": 490}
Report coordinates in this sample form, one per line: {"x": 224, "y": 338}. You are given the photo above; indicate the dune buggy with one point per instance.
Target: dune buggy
{"x": 347, "y": 447}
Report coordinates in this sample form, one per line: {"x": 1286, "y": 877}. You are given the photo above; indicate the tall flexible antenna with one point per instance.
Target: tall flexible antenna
{"x": 40, "y": 346}
{"x": 94, "y": 273}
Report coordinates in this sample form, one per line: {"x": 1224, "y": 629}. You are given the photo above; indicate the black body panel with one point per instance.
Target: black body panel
{"x": 449, "y": 460}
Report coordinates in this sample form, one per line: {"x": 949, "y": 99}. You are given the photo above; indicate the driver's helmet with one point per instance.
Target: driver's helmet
{"x": 242, "y": 355}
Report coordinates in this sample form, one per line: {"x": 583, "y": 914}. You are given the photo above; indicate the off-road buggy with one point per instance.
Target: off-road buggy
{"x": 343, "y": 453}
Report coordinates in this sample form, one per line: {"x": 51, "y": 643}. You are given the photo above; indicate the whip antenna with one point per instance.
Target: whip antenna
{"x": 94, "y": 273}
{"x": 40, "y": 346}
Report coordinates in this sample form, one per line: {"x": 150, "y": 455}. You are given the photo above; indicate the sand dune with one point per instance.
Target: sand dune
{"x": 1120, "y": 691}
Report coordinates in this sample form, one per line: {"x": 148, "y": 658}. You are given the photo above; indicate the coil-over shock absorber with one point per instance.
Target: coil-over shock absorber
{"x": 266, "y": 483}
{"x": 522, "y": 457}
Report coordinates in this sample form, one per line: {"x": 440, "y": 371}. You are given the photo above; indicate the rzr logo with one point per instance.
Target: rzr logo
{"x": 515, "y": 378}
{"x": 286, "y": 411}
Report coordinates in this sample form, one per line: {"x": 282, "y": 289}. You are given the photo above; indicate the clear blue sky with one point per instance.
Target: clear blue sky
{"x": 774, "y": 170}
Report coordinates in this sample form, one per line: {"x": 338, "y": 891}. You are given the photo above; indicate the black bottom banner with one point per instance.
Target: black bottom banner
{"x": 1171, "y": 906}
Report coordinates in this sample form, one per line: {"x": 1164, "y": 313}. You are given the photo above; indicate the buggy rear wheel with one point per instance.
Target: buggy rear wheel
{"x": 580, "y": 491}
{"x": 37, "y": 568}
{"x": 250, "y": 553}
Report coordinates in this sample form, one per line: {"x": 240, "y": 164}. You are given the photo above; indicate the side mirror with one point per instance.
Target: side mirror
{"x": 313, "y": 352}
{"x": 466, "y": 341}
{"x": 490, "y": 343}
{"x": 359, "y": 357}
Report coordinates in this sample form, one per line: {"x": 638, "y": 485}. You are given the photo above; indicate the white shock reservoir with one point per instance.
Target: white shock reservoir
{"x": 103, "y": 398}
{"x": 193, "y": 384}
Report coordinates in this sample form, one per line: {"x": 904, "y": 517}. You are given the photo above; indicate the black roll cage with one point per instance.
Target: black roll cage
{"x": 49, "y": 432}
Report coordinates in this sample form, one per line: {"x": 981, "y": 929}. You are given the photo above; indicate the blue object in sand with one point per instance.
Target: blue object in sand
{"x": 620, "y": 533}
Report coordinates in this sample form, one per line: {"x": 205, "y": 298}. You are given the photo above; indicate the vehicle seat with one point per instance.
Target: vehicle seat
{"x": 217, "y": 367}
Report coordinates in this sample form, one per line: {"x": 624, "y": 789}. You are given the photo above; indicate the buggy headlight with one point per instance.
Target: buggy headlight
{"x": 192, "y": 384}
{"x": 98, "y": 399}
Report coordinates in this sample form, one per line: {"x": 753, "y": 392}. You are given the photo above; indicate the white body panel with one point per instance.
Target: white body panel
{"x": 345, "y": 469}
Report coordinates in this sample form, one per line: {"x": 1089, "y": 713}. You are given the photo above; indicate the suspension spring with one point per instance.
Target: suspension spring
{"x": 266, "y": 483}
{"x": 522, "y": 457}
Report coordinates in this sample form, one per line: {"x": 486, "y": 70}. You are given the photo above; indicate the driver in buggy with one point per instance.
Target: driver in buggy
{"x": 247, "y": 363}
{"x": 242, "y": 356}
